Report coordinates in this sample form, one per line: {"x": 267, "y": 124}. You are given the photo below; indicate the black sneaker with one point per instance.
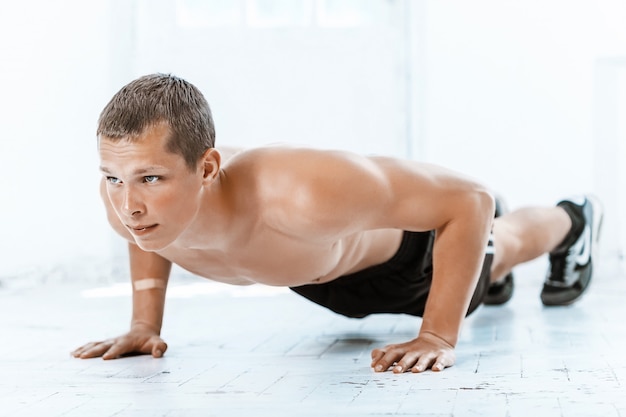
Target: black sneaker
{"x": 500, "y": 292}
{"x": 571, "y": 263}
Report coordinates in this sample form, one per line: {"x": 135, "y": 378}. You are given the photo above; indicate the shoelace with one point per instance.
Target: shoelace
{"x": 561, "y": 265}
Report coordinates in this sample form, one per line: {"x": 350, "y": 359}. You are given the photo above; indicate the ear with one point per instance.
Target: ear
{"x": 211, "y": 164}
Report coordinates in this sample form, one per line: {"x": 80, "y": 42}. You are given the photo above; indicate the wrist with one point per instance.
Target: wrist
{"x": 434, "y": 337}
{"x": 142, "y": 325}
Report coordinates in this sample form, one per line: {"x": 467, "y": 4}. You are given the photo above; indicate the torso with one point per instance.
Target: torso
{"x": 287, "y": 232}
{"x": 271, "y": 259}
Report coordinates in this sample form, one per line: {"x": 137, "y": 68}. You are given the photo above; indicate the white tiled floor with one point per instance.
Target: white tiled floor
{"x": 234, "y": 353}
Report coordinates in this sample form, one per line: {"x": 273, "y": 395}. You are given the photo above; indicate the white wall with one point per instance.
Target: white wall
{"x": 273, "y": 76}
{"x": 510, "y": 89}
{"x": 508, "y": 92}
{"x": 610, "y": 150}
{"x": 54, "y": 59}
{"x": 513, "y": 97}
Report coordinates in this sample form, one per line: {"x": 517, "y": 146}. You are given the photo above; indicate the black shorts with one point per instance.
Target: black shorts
{"x": 400, "y": 285}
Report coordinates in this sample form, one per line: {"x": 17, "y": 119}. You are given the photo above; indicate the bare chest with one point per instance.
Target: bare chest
{"x": 287, "y": 261}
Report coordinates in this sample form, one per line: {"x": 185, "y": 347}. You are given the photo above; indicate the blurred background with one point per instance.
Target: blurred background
{"x": 529, "y": 97}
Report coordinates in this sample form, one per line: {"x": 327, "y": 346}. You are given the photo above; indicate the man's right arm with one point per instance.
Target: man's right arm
{"x": 149, "y": 275}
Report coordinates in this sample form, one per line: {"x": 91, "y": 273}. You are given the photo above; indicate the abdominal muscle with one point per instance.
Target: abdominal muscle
{"x": 281, "y": 261}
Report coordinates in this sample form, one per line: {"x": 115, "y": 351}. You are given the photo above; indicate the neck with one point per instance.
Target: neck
{"x": 211, "y": 226}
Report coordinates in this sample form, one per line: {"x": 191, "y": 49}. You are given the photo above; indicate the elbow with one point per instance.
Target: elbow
{"x": 474, "y": 205}
{"x": 483, "y": 206}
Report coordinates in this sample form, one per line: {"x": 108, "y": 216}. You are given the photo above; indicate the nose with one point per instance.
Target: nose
{"x": 132, "y": 205}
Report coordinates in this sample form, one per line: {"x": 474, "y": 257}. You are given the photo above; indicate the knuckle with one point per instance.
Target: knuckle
{"x": 403, "y": 364}
{"x": 395, "y": 350}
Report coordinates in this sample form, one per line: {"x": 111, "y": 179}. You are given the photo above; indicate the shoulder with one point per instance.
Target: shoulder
{"x": 297, "y": 189}
{"x": 282, "y": 160}
{"x": 277, "y": 170}
{"x": 270, "y": 173}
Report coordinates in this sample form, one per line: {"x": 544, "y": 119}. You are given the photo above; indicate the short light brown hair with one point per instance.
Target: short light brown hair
{"x": 158, "y": 98}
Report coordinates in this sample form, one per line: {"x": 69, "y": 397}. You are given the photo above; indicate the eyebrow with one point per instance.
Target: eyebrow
{"x": 139, "y": 171}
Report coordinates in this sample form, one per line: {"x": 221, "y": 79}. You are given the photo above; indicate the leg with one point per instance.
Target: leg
{"x": 568, "y": 232}
{"x": 526, "y": 234}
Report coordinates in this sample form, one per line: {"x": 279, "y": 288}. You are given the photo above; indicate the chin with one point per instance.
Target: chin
{"x": 151, "y": 245}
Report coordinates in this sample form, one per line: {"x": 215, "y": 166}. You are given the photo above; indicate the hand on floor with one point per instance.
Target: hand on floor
{"x": 425, "y": 352}
{"x": 139, "y": 340}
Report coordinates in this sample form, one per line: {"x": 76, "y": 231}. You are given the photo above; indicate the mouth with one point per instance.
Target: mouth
{"x": 141, "y": 229}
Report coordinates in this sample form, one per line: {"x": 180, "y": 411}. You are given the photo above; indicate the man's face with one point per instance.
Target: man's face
{"x": 153, "y": 192}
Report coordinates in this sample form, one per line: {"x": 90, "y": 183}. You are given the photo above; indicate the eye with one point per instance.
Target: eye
{"x": 151, "y": 179}
{"x": 114, "y": 180}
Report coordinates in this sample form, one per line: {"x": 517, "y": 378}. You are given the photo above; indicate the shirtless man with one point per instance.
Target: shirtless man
{"x": 359, "y": 235}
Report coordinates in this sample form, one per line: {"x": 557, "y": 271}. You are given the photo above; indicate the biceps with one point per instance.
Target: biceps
{"x": 424, "y": 197}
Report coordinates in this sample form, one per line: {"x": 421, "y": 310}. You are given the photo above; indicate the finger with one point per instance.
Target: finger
{"x": 438, "y": 367}
{"x": 443, "y": 362}
{"x": 77, "y": 352}
{"x": 88, "y": 347}
{"x": 387, "y": 360}
{"x": 116, "y": 350}
{"x": 159, "y": 349}
{"x": 376, "y": 355}
{"x": 407, "y": 361}
{"x": 425, "y": 362}
{"x": 97, "y": 349}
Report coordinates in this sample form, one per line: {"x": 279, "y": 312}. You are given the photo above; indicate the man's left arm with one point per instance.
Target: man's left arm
{"x": 344, "y": 194}
{"x": 457, "y": 259}
{"x": 461, "y": 213}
